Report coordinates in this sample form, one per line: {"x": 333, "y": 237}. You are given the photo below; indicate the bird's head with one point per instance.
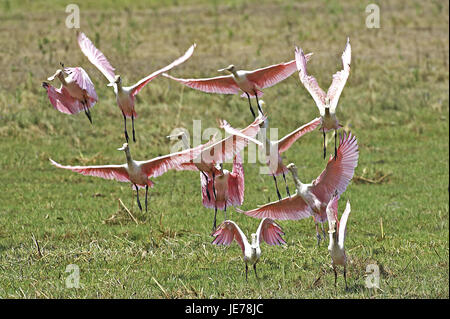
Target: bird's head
{"x": 124, "y": 147}
{"x": 230, "y": 69}
{"x": 117, "y": 81}
{"x": 254, "y": 239}
{"x": 59, "y": 73}
{"x": 219, "y": 167}
{"x": 332, "y": 227}
{"x": 178, "y": 135}
{"x": 292, "y": 168}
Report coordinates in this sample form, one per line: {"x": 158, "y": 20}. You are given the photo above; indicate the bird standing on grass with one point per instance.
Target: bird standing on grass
{"x": 249, "y": 82}
{"x": 312, "y": 199}
{"x": 337, "y": 231}
{"x": 268, "y": 231}
{"x": 326, "y": 103}
{"x": 77, "y": 92}
{"x": 125, "y": 95}
{"x": 135, "y": 172}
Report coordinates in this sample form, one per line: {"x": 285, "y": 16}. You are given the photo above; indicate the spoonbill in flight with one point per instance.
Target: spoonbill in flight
{"x": 273, "y": 149}
{"x": 229, "y": 188}
{"x": 328, "y": 102}
{"x": 135, "y": 172}
{"x": 268, "y": 231}
{"x": 249, "y": 82}
{"x": 125, "y": 95}
{"x": 77, "y": 92}
{"x": 337, "y": 231}
{"x": 312, "y": 199}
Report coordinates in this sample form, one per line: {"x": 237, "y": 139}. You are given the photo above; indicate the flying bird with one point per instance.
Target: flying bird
{"x": 274, "y": 149}
{"x": 77, "y": 92}
{"x": 337, "y": 231}
{"x": 228, "y": 187}
{"x": 312, "y": 199}
{"x": 268, "y": 231}
{"x": 125, "y": 95}
{"x": 328, "y": 102}
{"x": 250, "y": 83}
{"x": 138, "y": 173}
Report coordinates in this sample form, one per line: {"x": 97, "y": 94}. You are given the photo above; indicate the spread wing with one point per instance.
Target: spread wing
{"x": 79, "y": 75}
{"x": 221, "y": 84}
{"x": 340, "y": 78}
{"x": 62, "y": 100}
{"x": 139, "y": 85}
{"x": 226, "y": 232}
{"x": 236, "y": 184}
{"x": 96, "y": 57}
{"x": 270, "y": 232}
{"x": 116, "y": 172}
{"x": 288, "y": 140}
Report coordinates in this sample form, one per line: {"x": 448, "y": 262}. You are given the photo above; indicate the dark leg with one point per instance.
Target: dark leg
{"x": 250, "y": 103}
{"x": 254, "y": 268}
{"x": 146, "y": 195}
{"x": 246, "y": 272}
{"x": 225, "y": 211}
{"x": 345, "y": 277}
{"x": 335, "y": 149}
{"x": 132, "y": 124}
{"x": 317, "y": 233}
{"x": 257, "y": 102}
{"x": 214, "y": 186}
{"x": 323, "y": 231}
{"x": 287, "y": 188}
{"x": 86, "y": 111}
{"x": 215, "y": 216}
{"x": 335, "y": 276}
{"x": 137, "y": 196}
{"x": 324, "y": 145}
{"x": 276, "y": 185}
{"x": 125, "y": 126}
{"x": 207, "y": 188}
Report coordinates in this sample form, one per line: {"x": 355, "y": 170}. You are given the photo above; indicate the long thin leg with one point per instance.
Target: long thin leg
{"x": 257, "y": 102}
{"x": 335, "y": 275}
{"x": 317, "y": 233}
{"x": 207, "y": 188}
{"x": 250, "y": 103}
{"x": 324, "y": 145}
{"x": 86, "y": 111}
{"x": 335, "y": 148}
{"x": 146, "y": 195}
{"x": 225, "y": 211}
{"x": 254, "y": 268}
{"x": 132, "y": 124}
{"x": 246, "y": 272}
{"x": 323, "y": 231}
{"x": 214, "y": 186}
{"x": 287, "y": 187}
{"x": 137, "y": 196}
{"x": 276, "y": 185}
{"x": 125, "y": 126}
{"x": 345, "y": 277}
{"x": 215, "y": 216}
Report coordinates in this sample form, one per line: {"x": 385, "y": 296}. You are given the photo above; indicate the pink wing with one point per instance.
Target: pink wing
{"x": 117, "y": 172}
{"x": 236, "y": 185}
{"x": 96, "y": 57}
{"x": 338, "y": 173}
{"x": 287, "y": 208}
{"x": 80, "y": 76}
{"x": 340, "y": 78}
{"x": 221, "y": 84}
{"x": 271, "y": 75}
{"x": 138, "y": 86}
{"x": 62, "y": 100}
{"x": 270, "y": 232}
{"x": 204, "y": 185}
{"x": 226, "y": 148}
{"x": 285, "y": 143}
{"x": 308, "y": 81}
{"x": 226, "y": 232}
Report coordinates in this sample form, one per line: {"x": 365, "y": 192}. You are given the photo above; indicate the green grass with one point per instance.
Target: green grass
{"x": 396, "y": 103}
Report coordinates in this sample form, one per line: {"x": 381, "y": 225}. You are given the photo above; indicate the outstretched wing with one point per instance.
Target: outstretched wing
{"x": 338, "y": 173}
{"x": 232, "y": 131}
{"x": 139, "y": 85}
{"x": 116, "y": 172}
{"x": 343, "y": 225}
{"x": 340, "y": 78}
{"x": 309, "y": 82}
{"x": 226, "y": 232}
{"x": 288, "y": 140}
{"x": 79, "y": 75}
{"x": 96, "y": 57}
{"x": 62, "y": 100}
{"x": 221, "y": 84}
{"x": 270, "y": 232}
{"x": 271, "y": 75}
{"x": 236, "y": 185}
{"x": 287, "y": 208}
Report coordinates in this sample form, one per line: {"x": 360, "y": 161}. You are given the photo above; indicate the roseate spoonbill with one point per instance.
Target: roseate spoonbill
{"x": 326, "y": 103}
{"x": 76, "y": 93}
{"x": 249, "y": 82}
{"x": 229, "y": 188}
{"x": 312, "y": 199}
{"x": 268, "y": 231}
{"x": 273, "y": 149}
{"x": 337, "y": 231}
{"x": 218, "y": 152}
{"x": 135, "y": 172}
{"x": 124, "y": 94}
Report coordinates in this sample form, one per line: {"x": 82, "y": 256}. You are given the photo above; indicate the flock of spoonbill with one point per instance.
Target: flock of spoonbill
{"x": 220, "y": 188}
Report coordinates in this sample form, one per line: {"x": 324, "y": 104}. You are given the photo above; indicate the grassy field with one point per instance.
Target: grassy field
{"x": 396, "y": 102}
